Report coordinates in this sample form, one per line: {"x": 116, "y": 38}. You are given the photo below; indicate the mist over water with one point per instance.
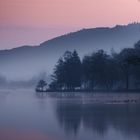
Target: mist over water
{"x": 52, "y": 116}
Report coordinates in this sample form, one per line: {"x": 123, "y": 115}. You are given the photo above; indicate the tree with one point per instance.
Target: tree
{"x": 41, "y": 84}
{"x": 88, "y": 73}
{"x": 136, "y": 62}
{"x": 73, "y": 70}
{"x": 99, "y": 70}
{"x": 58, "y": 76}
{"x": 125, "y": 58}
{"x": 67, "y": 72}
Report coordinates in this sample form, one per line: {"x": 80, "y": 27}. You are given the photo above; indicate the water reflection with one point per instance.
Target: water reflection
{"x": 69, "y": 116}
{"x": 99, "y": 118}
{"x": 41, "y": 95}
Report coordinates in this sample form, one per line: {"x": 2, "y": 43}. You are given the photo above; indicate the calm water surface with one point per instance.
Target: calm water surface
{"x": 54, "y": 117}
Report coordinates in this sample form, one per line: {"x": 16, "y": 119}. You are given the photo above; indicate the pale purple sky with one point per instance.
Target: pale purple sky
{"x": 34, "y": 21}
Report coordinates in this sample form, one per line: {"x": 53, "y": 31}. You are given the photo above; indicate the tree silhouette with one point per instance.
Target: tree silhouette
{"x": 67, "y": 72}
{"x": 41, "y": 84}
{"x": 98, "y": 70}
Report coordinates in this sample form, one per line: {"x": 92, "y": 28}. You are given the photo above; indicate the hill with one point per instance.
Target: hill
{"x": 24, "y": 62}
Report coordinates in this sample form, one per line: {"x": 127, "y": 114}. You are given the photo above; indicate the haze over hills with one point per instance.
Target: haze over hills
{"x": 25, "y": 62}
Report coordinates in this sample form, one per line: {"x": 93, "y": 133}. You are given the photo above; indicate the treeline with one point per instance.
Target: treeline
{"x": 98, "y": 70}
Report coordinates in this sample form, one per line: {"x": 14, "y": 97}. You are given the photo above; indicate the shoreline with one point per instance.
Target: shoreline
{"x": 94, "y": 98}
{"x": 91, "y": 91}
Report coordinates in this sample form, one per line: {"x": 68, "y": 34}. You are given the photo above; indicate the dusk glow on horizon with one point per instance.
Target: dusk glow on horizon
{"x": 30, "y": 22}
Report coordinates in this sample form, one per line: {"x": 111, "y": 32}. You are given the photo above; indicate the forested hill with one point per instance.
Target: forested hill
{"x": 28, "y": 61}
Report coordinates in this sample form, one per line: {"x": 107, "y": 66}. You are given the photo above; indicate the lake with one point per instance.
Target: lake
{"x": 27, "y": 115}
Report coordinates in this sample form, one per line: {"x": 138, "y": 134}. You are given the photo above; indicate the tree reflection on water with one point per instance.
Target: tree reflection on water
{"x": 124, "y": 118}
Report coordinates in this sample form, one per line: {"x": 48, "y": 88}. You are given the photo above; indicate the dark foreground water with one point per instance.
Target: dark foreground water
{"x": 26, "y": 115}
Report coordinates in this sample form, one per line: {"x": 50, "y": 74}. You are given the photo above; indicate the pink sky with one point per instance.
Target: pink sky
{"x": 33, "y": 21}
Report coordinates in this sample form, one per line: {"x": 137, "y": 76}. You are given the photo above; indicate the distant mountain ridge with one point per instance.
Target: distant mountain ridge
{"x": 28, "y": 61}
